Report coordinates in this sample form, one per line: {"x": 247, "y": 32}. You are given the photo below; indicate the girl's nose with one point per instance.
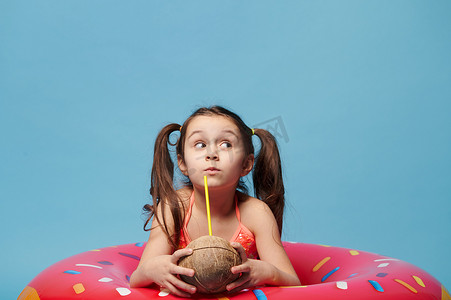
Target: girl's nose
{"x": 212, "y": 156}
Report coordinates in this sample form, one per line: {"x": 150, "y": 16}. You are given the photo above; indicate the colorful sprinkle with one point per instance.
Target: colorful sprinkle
{"x": 383, "y": 265}
{"x": 129, "y": 255}
{"x": 28, "y": 293}
{"x": 139, "y": 244}
{"x": 163, "y": 292}
{"x": 445, "y": 294}
{"x": 330, "y": 273}
{"x": 408, "y": 286}
{"x": 386, "y": 259}
{"x": 352, "y": 275}
{"x": 419, "y": 281}
{"x": 381, "y": 274}
{"x": 72, "y": 272}
{"x": 127, "y": 277}
{"x": 259, "y": 294}
{"x": 78, "y": 288}
{"x": 376, "y": 286}
{"x": 342, "y": 285}
{"x": 105, "y": 279}
{"x": 104, "y": 262}
{"x": 320, "y": 264}
{"x": 87, "y": 265}
{"x": 354, "y": 252}
{"x": 123, "y": 291}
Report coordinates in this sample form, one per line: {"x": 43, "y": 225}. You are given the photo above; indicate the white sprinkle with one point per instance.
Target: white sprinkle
{"x": 86, "y": 265}
{"x": 123, "y": 291}
{"x": 386, "y": 259}
{"x": 105, "y": 279}
{"x": 342, "y": 285}
{"x": 383, "y": 265}
{"x": 164, "y": 292}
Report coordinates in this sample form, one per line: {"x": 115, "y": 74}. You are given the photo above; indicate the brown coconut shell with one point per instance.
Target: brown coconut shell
{"x": 211, "y": 260}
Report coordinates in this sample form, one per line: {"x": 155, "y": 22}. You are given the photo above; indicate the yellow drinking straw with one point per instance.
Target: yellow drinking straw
{"x": 208, "y": 206}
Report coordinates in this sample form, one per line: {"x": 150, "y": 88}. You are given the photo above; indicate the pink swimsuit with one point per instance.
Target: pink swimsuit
{"x": 242, "y": 235}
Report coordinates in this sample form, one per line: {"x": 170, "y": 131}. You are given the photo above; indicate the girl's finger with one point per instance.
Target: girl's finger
{"x": 181, "y": 253}
{"x": 240, "y": 250}
{"x": 243, "y": 268}
{"x": 238, "y": 284}
{"x": 181, "y": 271}
{"x": 175, "y": 291}
{"x": 181, "y": 285}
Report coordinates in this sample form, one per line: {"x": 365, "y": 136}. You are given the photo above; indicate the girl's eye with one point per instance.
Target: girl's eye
{"x": 200, "y": 145}
{"x": 225, "y": 145}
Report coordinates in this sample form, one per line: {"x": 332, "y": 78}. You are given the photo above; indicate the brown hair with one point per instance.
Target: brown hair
{"x": 267, "y": 172}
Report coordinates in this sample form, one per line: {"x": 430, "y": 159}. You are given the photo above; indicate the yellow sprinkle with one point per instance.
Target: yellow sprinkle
{"x": 324, "y": 245}
{"x": 28, "y": 293}
{"x": 445, "y": 294}
{"x": 406, "y": 285}
{"x": 223, "y": 298}
{"x": 320, "y": 264}
{"x": 78, "y": 288}
{"x": 419, "y": 281}
{"x": 95, "y": 250}
{"x": 354, "y": 252}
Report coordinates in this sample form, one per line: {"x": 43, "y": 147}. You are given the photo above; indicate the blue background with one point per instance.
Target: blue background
{"x": 361, "y": 87}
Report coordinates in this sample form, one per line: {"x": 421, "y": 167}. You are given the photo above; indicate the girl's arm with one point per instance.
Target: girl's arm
{"x": 274, "y": 267}
{"x": 159, "y": 265}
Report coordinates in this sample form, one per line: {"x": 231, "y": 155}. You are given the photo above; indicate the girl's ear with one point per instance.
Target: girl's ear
{"x": 182, "y": 165}
{"x": 248, "y": 164}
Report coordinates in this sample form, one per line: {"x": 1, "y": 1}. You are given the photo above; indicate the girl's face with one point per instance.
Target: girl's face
{"x": 213, "y": 147}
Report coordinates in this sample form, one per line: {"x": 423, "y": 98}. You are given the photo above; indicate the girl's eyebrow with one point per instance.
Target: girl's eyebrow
{"x": 223, "y": 131}
{"x": 230, "y": 131}
{"x": 194, "y": 132}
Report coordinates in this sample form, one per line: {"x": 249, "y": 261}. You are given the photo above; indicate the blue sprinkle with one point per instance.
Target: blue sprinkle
{"x": 139, "y": 244}
{"x": 104, "y": 262}
{"x": 352, "y": 275}
{"x": 129, "y": 255}
{"x": 72, "y": 272}
{"x": 127, "y": 277}
{"x": 376, "y": 286}
{"x": 382, "y": 274}
{"x": 260, "y": 295}
{"x": 330, "y": 273}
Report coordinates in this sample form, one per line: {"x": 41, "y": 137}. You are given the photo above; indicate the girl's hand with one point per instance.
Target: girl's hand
{"x": 253, "y": 272}
{"x": 163, "y": 271}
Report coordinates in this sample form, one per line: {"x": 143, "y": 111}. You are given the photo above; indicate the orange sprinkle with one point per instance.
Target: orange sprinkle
{"x": 320, "y": 264}
{"x": 419, "y": 281}
{"x": 408, "y": 286}
{"x": 78, "y": 288}
{"x": 445, "y": 294}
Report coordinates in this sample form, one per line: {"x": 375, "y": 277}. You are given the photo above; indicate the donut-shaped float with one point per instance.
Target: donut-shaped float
{"x": 326, "y": 273}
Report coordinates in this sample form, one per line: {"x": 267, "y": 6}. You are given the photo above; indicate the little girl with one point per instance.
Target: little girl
{"x": 215, "y": 142}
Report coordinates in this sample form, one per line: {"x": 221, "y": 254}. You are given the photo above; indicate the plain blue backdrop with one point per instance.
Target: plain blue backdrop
{"x": 358, "y": 93}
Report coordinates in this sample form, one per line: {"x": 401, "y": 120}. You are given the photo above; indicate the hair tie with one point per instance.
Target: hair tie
{"x": 253, "y": 132}
{"x": 181, "y": 128}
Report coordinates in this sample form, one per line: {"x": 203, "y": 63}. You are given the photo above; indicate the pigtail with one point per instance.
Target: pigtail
{"x": 162, "y": 186}
{"x": 267, "y": 175}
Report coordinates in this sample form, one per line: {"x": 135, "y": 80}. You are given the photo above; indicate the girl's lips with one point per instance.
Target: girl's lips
{"x": 212, "y": 170}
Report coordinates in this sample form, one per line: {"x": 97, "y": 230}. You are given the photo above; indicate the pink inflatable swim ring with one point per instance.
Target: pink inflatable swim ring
{"x": 326, "y": 273}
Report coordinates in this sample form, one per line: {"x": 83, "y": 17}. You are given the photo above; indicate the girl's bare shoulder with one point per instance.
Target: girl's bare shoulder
{"x": 184, "y": 194}
{"x": 253, "y": 210}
